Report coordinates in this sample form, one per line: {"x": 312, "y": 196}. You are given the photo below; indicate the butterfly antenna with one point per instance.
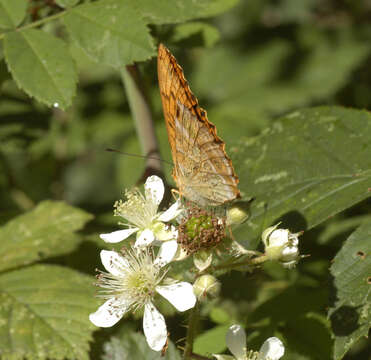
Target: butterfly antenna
{"x": 138, "y": 156}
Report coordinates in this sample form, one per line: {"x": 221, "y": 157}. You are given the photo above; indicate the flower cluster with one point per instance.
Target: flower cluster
{"x": 136, "y": 275}
{"x": 139, "y": 272}
{"x": 272, "y": 349}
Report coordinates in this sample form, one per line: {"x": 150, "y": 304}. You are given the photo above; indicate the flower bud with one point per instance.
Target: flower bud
{"x": 281, "y": 245}
{"x": 206, "y": 285}
{"x": 238, "y": 213}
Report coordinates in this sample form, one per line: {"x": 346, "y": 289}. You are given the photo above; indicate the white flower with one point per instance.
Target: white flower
{"x": 281, "y": 245}
{"x": 140, "y": 213}
{"x": 272, "y": 348}
{"x": 131, "y": 283}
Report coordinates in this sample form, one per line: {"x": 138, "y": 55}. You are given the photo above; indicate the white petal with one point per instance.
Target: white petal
{"x": 202, "y": 260}
{"x": 164, "y": 232}
{"x": 145, "y": 238}
{"x": 223, "y": 357}
{"x": 236, "y": 341}
{"x": 180, "y": 295}
{"x": 109, "y": 313}
{"x": 167, "y": 252}
{"x": 154, "y": 327}
{"x": 172, "y": 212}
{"x": 272, "y": 349}
{"x": 154, "y": 189}
{"x": 279, "y": 237}
{"x": 113, "y": 262}
{"x": 118, "y": 235}
{"x": 181, "y": 254}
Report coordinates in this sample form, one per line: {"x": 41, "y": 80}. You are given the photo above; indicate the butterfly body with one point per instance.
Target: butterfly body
{"x": 202, "y": 170}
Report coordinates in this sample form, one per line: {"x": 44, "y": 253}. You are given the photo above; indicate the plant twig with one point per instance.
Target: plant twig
{"x": 37, "y": 23}
{"x": 254, "y": 261}
{"x": 142, "y": 115}
{"x": 192, "y": 325}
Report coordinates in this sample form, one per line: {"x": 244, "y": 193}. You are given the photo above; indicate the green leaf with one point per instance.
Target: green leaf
{"x": 49, "y": 76}
{"x": 309, "y": 166}
{"x": 45, "y": 231}
{"x": 133, "y": 345}
{"x": 44, "y": 313}
{"x": 176, "y": 11}
{"x": 309, "y": 335}
{"x": 211, "y": 341}
{"x": 67, "y": 3}
{"x": 351, "y": 313}
{"x": 12, "y": 13}
{"x": 111, "y": 32}
{"x": 209, "y": 34}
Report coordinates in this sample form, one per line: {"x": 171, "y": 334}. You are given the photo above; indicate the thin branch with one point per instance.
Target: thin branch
{"x": 142, "y": 115}
{"x": 37, "y": 23}
{"x": 255, "y": 261}
{"x": 192, "y": 325}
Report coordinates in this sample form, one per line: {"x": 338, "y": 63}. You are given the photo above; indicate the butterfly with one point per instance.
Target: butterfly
{"x": 202, "y": 170}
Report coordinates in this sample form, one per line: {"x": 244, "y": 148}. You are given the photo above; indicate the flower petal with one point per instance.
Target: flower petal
{"x": 109, "y": 313}
{"x": 118, "y": 235}
{"x": 180, "y": 295}
{"x": 154, "y": 189}
{"x": 236, "y": 341}
{"x": 154, "y": 327}
{"x": 145, "y": 238}
{"x": 181, "y": 254}
{"x": 279, "y": 237}
{"x": 272, "y": 349}
{"x": 172, "y": 212}
{"x": 113, "y": 262}
{"x": 202, "y": 260}
{"x": 164, "y": 232}
{"x": 167, "y": 252}
{"x": 223, "y": 357}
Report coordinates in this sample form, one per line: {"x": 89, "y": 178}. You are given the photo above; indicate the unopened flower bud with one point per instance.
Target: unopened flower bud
{"x": 281, "y": 245}
{"x": 206, "y": 285}
{"x": 238, "y": 213}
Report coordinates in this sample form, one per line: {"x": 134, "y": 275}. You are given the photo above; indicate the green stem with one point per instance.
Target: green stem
{"x": 142, "y": 115}
{"x": 38, "y": 23}
{"x": 191, "y": 330}
{"x": 255, "y": 261}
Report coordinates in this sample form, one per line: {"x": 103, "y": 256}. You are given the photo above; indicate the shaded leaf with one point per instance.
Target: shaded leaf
{"x": 309, "y": 335}
{"x": 53, "y": 77}
{"x": 351, "y": 314}
{"x": 175, "y": 11}
{"x": 309, "y": 166}
{"x": 209, "y": 34}
{"x": 211, "y": 341}
{"x": 12, "y": 12}
{"x": 111, "y": 32}
{"x": 67, "y": 3}
{"x": 44, "y": 313}
{"x": 133, "y": 345}
{"x": 45, "y": 231}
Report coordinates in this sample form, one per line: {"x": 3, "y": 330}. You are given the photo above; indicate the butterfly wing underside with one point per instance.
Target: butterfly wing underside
{"x": 202, "y": 170}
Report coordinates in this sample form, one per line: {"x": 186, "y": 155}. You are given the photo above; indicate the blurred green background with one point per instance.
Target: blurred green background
{"x": 248, "y": 66}
{"x": 259, "y": 60}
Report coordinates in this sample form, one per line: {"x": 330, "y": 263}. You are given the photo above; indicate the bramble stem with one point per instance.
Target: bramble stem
{"x": 37, "y": 23}
{"x": 192, "y": 325}
{"x": 254, "y": 261}
{"x": 142, "y": 115}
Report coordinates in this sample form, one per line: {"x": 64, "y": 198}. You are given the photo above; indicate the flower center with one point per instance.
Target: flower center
{"x": 136, "y": 209}
{"x": 200, "y": 230}
{"x": 136, "y": 282}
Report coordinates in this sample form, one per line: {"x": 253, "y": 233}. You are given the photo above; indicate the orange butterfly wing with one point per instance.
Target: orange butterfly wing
{"x": 202, "y": 170}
